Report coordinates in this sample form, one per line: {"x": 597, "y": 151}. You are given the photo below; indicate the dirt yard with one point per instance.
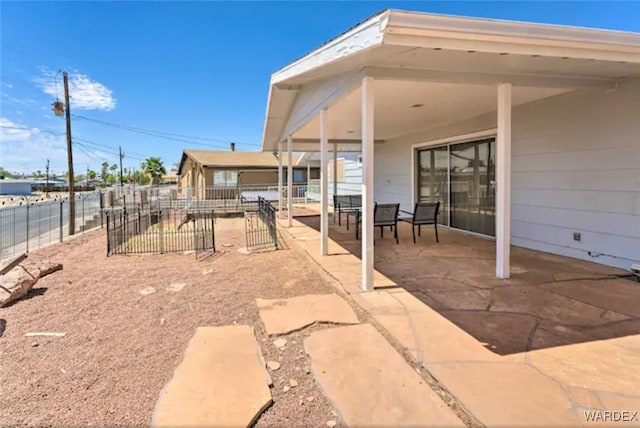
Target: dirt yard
{"x": 121, "y": 346}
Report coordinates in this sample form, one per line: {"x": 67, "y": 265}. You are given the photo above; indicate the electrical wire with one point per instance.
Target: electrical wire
{"x": 165, "y": 135}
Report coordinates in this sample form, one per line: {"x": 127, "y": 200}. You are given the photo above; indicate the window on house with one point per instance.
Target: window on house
{"x": 298, "y": 176}
{"x": 225, "y": 178}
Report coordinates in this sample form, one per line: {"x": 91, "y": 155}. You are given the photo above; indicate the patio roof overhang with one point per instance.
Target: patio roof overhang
{"x": 416, "y": 58}
{"x": 400, "y": 73}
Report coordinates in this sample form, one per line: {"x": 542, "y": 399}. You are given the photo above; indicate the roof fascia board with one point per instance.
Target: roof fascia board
{"x": 432, "y": 31}
{"x": 362, "y": 37}
{"x": 468, "y": 77}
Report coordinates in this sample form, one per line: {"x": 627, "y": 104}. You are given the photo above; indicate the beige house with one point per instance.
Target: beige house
{"x": 202, "y": 169}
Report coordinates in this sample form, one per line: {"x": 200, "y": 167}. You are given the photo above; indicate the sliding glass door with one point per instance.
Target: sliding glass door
{"x": 460, "y": 176}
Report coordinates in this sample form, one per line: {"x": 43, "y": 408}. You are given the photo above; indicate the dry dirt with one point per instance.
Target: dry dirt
{"x": 121, "y": 347}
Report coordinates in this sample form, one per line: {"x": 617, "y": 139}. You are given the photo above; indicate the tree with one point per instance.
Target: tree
{"x": 153, "y": 168}
{"x": 92, "y": 174}
{"x": 104, "y": 172}
{"x": 5, "y": 173}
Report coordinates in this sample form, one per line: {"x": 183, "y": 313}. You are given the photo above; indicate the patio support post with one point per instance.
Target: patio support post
{"x": 324, "y": 182}
{"x": 367, "y": 182}
{"x": 335, "y": 169}
{"x": 289, "y": 182}
{"x": 280, "y": 179}
{"x": 503, "y": 182}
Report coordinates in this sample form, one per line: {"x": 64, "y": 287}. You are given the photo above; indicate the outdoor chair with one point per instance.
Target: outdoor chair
{"x": 345, "y": 204}
{"x": 424, "y": 213}
{"x": 384, "y": 215}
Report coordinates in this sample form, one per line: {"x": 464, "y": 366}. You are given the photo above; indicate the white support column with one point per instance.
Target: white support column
{"x": 280, "y": 179}
{"x": 367, "y": 183}
{"x": 503, "y": 183}
{"x": 324, "y": 183}
{"x": 289, "y": 182}
{"x": 335, "y": 169}
{"x": 306, "y": 194}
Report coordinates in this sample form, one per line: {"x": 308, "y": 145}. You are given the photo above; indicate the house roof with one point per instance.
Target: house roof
{"x": 399, "y": 45}
{"x": 236, "y": 159}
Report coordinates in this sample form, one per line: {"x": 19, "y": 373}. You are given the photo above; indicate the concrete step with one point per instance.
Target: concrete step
{"x": 370, "y": 383}
{"x": 222, "y": 381}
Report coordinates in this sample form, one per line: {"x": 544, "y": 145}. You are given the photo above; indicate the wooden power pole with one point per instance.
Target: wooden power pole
{"x": 71, "y": 179}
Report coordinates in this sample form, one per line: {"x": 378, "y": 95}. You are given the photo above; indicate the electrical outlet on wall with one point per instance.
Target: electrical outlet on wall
{"x": 577, "y": 236}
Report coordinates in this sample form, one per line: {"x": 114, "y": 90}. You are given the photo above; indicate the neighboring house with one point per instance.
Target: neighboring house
{"x": 202, "y": 169}
{"x": 15, "y": 187}
{"x": 349, "y": 175}
{"x": 527, "y": 133}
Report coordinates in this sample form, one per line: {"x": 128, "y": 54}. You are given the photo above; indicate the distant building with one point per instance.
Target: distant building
{"x": 15, "y": 187}
{"x": 201, "y": 169}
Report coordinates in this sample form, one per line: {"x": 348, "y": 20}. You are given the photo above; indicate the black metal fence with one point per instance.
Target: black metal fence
{"x": 260, "y": 226}
{"x": 159, "y": 231}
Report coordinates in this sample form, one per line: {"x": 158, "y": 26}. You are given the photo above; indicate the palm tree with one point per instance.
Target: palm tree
{"x": 154, "y": 168}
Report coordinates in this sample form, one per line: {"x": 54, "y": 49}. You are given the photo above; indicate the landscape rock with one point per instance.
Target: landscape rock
{"x": 280, "y": 343}
{"x": 17, "y": 283}
{"x": 332, "y": 423}
{"x": 147, "y": 290}
{"x": 273, "y": 365}
{"x": 293, "y": 383}
{"x": 175, "y": 286}
{"x": 286, "y": 388}
{"x": 307, "y": 369}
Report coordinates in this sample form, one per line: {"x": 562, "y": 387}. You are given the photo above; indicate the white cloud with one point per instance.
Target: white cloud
{"x": 25, "y": 149}
{"x": 85, "y": 93}
{"x": 8, "y": 85}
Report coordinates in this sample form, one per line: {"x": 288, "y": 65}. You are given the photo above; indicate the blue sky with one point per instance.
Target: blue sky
{"x": 194, "y": 68}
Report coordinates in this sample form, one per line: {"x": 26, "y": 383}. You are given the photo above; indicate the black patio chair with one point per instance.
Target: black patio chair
{"x": 424, "y": 213}
{"x": 341, "y": 204}
{"x": 384, "y": 215}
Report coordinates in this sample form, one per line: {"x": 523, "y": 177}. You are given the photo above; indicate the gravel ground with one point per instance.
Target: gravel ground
{"x": 121, "y": 347}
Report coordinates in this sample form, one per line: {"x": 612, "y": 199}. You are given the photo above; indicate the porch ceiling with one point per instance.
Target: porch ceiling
{"x": 439, "y": 50}
{"x": 436, "y": 104}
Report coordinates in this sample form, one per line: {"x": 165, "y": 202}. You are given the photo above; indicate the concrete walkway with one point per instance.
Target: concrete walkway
{"x": 553, "y": 386}
{"x": 222, "y": 381}
{"x": 281, "y": 316}
{"x": 370, "y": 383}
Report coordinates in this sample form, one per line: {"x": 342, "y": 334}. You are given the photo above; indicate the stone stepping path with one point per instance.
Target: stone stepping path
{"x": 370, "y": 383}
{"x": 221, "y": 381}
{"x": 281, "y": 316}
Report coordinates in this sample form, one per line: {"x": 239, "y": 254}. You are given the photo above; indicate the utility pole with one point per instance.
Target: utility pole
{"x": 121, "y": 154}
{"x": 72, "y": 192}
{"x": 87, "y": 177}
{"x": 47, "y": 168}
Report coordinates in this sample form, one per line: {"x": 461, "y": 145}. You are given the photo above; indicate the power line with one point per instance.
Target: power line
{"x": 165, "y": 135}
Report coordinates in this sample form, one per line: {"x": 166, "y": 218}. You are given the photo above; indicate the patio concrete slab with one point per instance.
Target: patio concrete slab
{"x": 369, "y": 382}
{"x": 281, "y": 316}
{"x": 505, "y": 394}
{"x": 221, "y": 381}
{"x": 558, "y": 337}
{"x": 595, "y": 365}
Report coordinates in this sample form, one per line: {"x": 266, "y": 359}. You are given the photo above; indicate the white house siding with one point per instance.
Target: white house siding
{"x": 575, "y": 166}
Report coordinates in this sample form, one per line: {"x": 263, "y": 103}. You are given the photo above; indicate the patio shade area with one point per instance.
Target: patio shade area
{"x": 549, "y": 301}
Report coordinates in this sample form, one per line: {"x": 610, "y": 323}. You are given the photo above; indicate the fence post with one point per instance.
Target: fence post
{"x": 160, "y": 232}
{"x": 83, "y": 221}
{"x": 213, "y": 229}
{"x": 61, "y": 221}
{"x": 101, "y": 209}
{"x": 27, "y": 227}
{"x": 108, "y": 236}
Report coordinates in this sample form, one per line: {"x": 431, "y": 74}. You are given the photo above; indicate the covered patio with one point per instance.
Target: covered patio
{"x": 549, "y": 301}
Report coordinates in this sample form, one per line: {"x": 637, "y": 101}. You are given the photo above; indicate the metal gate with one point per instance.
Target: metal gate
{"x": 160, "y": 231}
{"x": 260, "y": 227}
